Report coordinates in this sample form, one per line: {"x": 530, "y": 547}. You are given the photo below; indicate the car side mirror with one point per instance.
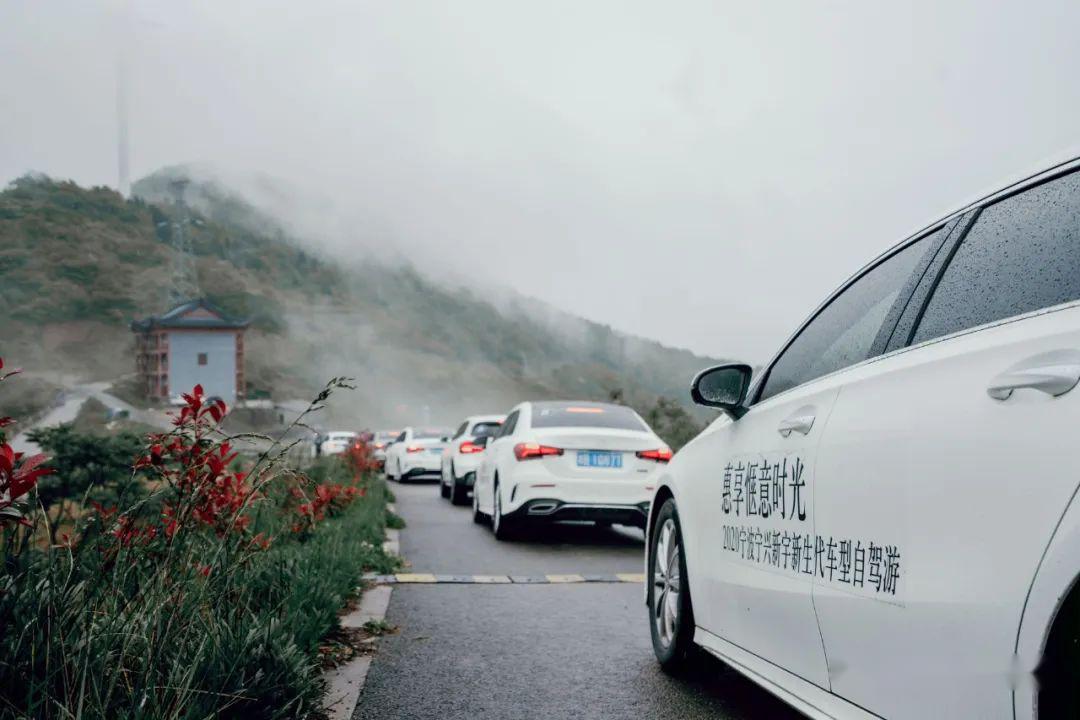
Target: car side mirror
{"x": 724, "y": 387}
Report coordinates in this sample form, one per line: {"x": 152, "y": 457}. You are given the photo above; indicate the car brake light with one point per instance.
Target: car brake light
{"x": 661, "y": 455}
{"x": 524, "y": 451}
{"x": 414, "y": 448}
{"x": 380, "y": 446}
{"x": 469, "y": 447}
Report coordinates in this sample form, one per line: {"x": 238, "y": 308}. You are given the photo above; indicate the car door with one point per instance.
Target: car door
{"x": 498, "y": 449}
{"x": 946, "y": 466}
{"x": 751, "y": 482}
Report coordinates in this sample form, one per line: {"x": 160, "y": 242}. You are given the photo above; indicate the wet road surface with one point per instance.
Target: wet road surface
{"x": 531, "y": 651}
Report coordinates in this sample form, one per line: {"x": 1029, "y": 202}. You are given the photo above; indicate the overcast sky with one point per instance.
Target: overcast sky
{"x": 703, "y": 173}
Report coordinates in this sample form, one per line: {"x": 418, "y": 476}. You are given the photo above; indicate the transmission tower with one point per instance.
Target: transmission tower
{"x": 184, "y": 284}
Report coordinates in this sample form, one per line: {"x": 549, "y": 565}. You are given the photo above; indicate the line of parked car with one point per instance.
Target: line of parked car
{"x": 883, "y": 521}
{"x": 542, "y": 462}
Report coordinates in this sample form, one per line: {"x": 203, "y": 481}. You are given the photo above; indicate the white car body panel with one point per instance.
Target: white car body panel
{"x": 954, "y": 459}
{"x": 558, "y": 477}
{"x": 337, "y": 442}
{"x": 808, "y": 698}
{"x": 456, "y": 463}
{"x": 947, "y": 495}
{"x": 757, "y": 604}
{"x": 425, "y": 462}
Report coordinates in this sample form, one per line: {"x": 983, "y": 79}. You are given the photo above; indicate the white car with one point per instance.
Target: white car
{"x": 380, "y": 442}
{"x": 558, "y": 461}
{"x": 416, "y": 453}
{"x": 884, "y": 521}
{"x": 337, "y": 442}
{"x": 461, "y": 456}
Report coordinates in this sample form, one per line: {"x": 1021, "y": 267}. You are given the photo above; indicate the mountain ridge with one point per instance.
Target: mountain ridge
{"x": 78, "y": 264}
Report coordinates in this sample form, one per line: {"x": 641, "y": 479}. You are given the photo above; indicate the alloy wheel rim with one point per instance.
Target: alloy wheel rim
{"x": 667, "y": 583}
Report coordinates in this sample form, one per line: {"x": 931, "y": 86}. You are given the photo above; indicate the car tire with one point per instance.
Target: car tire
{"x": 477, "y": 517}
{"x": 671, "y": 612}
{"x": 443, "y": 490}
{"x": 502, "y": 526}
{"x": 459, "y": 494}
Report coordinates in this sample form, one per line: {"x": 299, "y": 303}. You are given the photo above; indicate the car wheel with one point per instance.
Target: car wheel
{"x": 671, "y": 614}
{"x": 477, "y": 516}
{"x": 443, "y": 490}
{"x": 459, "y": 494}
{"x": 502, "y": 526}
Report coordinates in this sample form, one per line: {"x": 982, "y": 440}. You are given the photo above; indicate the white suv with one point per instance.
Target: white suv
{"x": 883, "y": 522}
{"x": 461, "y": 456}
{"x": 558, "y": 461}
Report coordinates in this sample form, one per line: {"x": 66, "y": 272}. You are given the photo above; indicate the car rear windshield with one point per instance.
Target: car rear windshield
{"x": 486, "y": 429}
{"x": 430, "y": 434}
{"x": 591, "y": 415}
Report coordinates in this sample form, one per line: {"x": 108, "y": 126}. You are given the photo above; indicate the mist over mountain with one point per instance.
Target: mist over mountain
{"x": 78, "y": 264}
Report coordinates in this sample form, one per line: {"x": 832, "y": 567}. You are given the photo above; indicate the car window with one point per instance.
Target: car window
{"x": 486, "y": 429}
{"x": 430, "y": 433}
{"x": 401, "y": 437}
{"x": 509, "y": 425}
{"x": 461, "y": 430}
{"x": 592, "y": 415}
{"x": 1021, "y": 254}
{"x": 843, "y": 333}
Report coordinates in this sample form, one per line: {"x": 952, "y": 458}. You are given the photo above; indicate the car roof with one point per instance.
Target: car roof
{"x": 484, "y": 418}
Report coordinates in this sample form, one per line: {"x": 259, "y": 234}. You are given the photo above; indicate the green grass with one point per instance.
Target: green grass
{"x": 92, "y": 635}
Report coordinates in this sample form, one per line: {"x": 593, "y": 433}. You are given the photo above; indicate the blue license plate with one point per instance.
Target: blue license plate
{"x": 599, "y": 459}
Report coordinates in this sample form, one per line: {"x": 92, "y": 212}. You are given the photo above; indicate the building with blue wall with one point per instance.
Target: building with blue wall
{"x": 194, "y": 343}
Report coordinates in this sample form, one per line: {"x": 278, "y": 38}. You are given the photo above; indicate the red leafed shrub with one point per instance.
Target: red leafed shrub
{"x": 197, "y": 467}
{"x": 361, "y": 460}
{"x": 18, "y": 474}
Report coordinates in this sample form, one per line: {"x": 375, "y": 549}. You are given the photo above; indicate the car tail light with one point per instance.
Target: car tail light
{"x": 524, "y": 451}
{"x": 380, "y": 446}
{"x": 414, "y": 448}
{"x": 661, "y": 455}
{"x": 469, "y": 447}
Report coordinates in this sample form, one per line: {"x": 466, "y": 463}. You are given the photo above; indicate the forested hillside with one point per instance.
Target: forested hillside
{"x": 77, "y": 265}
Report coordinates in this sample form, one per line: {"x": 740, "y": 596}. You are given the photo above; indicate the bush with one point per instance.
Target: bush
{"x": 206, "y": 598}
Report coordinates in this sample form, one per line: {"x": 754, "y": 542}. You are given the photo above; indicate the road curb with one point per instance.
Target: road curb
{"x": 345, "y": 683}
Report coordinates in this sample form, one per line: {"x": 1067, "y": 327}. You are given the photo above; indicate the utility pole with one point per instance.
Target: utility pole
{"x": 122, "y": 150}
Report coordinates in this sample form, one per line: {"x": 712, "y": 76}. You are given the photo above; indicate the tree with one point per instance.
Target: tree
{"x": 85, "y": 465}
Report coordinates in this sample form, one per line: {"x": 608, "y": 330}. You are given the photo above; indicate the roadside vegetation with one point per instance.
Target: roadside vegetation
{"x": 172, "y": 578}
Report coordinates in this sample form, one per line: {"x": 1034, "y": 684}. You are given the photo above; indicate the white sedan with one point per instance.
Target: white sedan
{"x": 380, "y": 441}
{"x": 416, "y": 453}
{"x": 337, "y": 442}
{"x": 558, "y": 461}
{"x": 884, "y": 521}
{"x": 461, "y": 456}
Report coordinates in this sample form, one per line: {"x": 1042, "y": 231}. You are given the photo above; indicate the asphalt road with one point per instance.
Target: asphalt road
{"x": 531, "y": 651}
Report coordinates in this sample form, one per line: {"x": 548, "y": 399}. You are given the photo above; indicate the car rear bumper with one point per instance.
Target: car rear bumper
{"x": 421, "y": 472}
{"x": 422, "y": 462}
{"x": 553, "y": 510}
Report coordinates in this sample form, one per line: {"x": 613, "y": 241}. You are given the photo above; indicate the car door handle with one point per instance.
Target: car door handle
{"x": 1054, "y": 373}
{"x": 800, "y": 422}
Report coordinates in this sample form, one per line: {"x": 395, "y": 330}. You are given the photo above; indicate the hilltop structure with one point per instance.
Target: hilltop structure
{"x": 194, "y": 343}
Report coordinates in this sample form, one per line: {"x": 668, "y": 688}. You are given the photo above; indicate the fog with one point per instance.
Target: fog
{"x": 701, "y": 173}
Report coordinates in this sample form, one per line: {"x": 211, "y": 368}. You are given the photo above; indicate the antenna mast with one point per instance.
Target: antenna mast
{"x": 185, "y": 281}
